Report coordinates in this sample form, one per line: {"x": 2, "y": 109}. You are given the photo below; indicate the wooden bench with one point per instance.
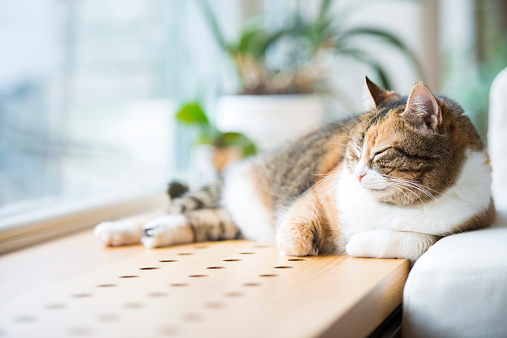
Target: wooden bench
{"x": 73, "y": 287}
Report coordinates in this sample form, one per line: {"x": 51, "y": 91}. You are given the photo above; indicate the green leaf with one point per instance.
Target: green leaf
{"x": 205, "y": 138}
{"x": 249, "y": 150}
{"x": 231, "y": 138}
{"x": 251, "y": 43}
{"x": 244, "y": 40}
{"x": 192, "y": 113}
{"x": 270, "y": 39}
{"x": 234, "y": 139}
{"x": 256, "y": 40}
{"x": 386, "y": 36}
{"x": 324, "y": 8}
{"x": 319, "y": 34}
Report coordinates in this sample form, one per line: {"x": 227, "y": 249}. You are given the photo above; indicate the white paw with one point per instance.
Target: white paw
{"x": 118, "y": 233}
{"x": 368, "y": 244}
{"x": 167, "y": 230}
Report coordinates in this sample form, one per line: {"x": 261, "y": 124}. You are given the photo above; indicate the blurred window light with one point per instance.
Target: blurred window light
{"x": 88, "y": 91}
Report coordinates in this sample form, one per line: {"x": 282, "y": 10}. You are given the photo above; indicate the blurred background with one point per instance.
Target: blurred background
{"x": 121, "y": 95}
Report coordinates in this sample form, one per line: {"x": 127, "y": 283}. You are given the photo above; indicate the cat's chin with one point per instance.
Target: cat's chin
{"x": 378, "y": 194}
{"x": 375, "y": 190}
{"x": 387, "y": 196}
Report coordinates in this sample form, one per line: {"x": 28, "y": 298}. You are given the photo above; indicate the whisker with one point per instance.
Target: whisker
{"x": 413, "y": 192}
{"x": 334, "y": 175}
{"x": 415, "y": 186}
{"x": 341, "y": 124}
{"x": 352, "y": 117}
{"x": 324, "y": 197}
{"x": 411, "y": 181}
{"x": 394, "y": 192}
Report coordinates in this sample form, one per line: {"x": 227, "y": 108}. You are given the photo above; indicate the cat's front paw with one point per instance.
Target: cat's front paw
{"x": 372, "y": 243}
{"x": 296, "y": 240}
{"x": 118, "y": 233}
{"x": 383, "y": 243}
{"x": 365, "y": 244}
{"x": 167, "y": 230}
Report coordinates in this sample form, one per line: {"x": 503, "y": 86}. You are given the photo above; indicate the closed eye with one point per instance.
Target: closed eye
{"x": 380, "y": 152}
{"x": 415, "y": 156}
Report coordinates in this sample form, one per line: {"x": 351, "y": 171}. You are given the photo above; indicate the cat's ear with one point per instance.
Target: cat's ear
{"x": 375, "y": 95}
{"x": 423, "y": 111}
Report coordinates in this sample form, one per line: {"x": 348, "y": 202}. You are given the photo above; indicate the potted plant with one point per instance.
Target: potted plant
{"x": 226, "y": 147}
{"x": 270, "y": 96}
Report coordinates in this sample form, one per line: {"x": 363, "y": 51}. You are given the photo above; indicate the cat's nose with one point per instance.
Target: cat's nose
{"x": 360, "y": 176}
{"x": 360, "y": 171}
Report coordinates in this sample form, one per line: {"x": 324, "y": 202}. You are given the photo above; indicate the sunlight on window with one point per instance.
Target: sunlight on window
{"x": 88, "y": 91}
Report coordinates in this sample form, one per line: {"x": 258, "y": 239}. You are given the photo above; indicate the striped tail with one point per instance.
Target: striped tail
{"x": 212, "y": 224}
{"x": 183, "y": 201}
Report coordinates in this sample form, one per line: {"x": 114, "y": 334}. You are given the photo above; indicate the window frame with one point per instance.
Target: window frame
{"x": 24, "y": 229}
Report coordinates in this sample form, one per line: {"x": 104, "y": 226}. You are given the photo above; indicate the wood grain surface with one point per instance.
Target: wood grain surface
{"x": 73, "y": 287}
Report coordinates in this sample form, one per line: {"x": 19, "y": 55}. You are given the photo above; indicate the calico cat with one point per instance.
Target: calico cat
{"x": 388, "y": 184}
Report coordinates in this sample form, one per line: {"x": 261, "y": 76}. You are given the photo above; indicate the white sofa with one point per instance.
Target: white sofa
{"x": 459, "y": 287}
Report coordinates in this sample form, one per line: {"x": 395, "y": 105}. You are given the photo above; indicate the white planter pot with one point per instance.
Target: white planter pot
{"x": 269, "y": 119}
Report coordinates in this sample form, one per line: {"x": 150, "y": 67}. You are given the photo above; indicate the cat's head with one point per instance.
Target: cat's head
{"x": 409, "y": 150}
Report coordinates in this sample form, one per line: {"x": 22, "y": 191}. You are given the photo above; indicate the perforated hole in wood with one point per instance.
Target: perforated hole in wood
{"x": 234, "y": 294}
{"x": 157, "y": 294}
{"x": 107, "y": 317}
{"x": 129, "y": 276}
{"x": 214, "y": 305}
{"x": 134, "y": 305}
{"x": 192, "y": 317}
{"x": 82, "y": 295}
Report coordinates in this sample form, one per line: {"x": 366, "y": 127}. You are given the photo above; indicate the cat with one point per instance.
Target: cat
{"x": 387, "y": 184}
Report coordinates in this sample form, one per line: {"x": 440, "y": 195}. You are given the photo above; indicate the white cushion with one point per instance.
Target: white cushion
{"x": 497, "y": 136}
{"x": 459, "y": 287}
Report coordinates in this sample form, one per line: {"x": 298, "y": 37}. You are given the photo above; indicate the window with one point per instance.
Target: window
{"x": 88, "y": 90}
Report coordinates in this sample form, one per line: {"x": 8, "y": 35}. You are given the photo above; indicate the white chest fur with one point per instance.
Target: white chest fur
{"x": 471, "y": 194}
